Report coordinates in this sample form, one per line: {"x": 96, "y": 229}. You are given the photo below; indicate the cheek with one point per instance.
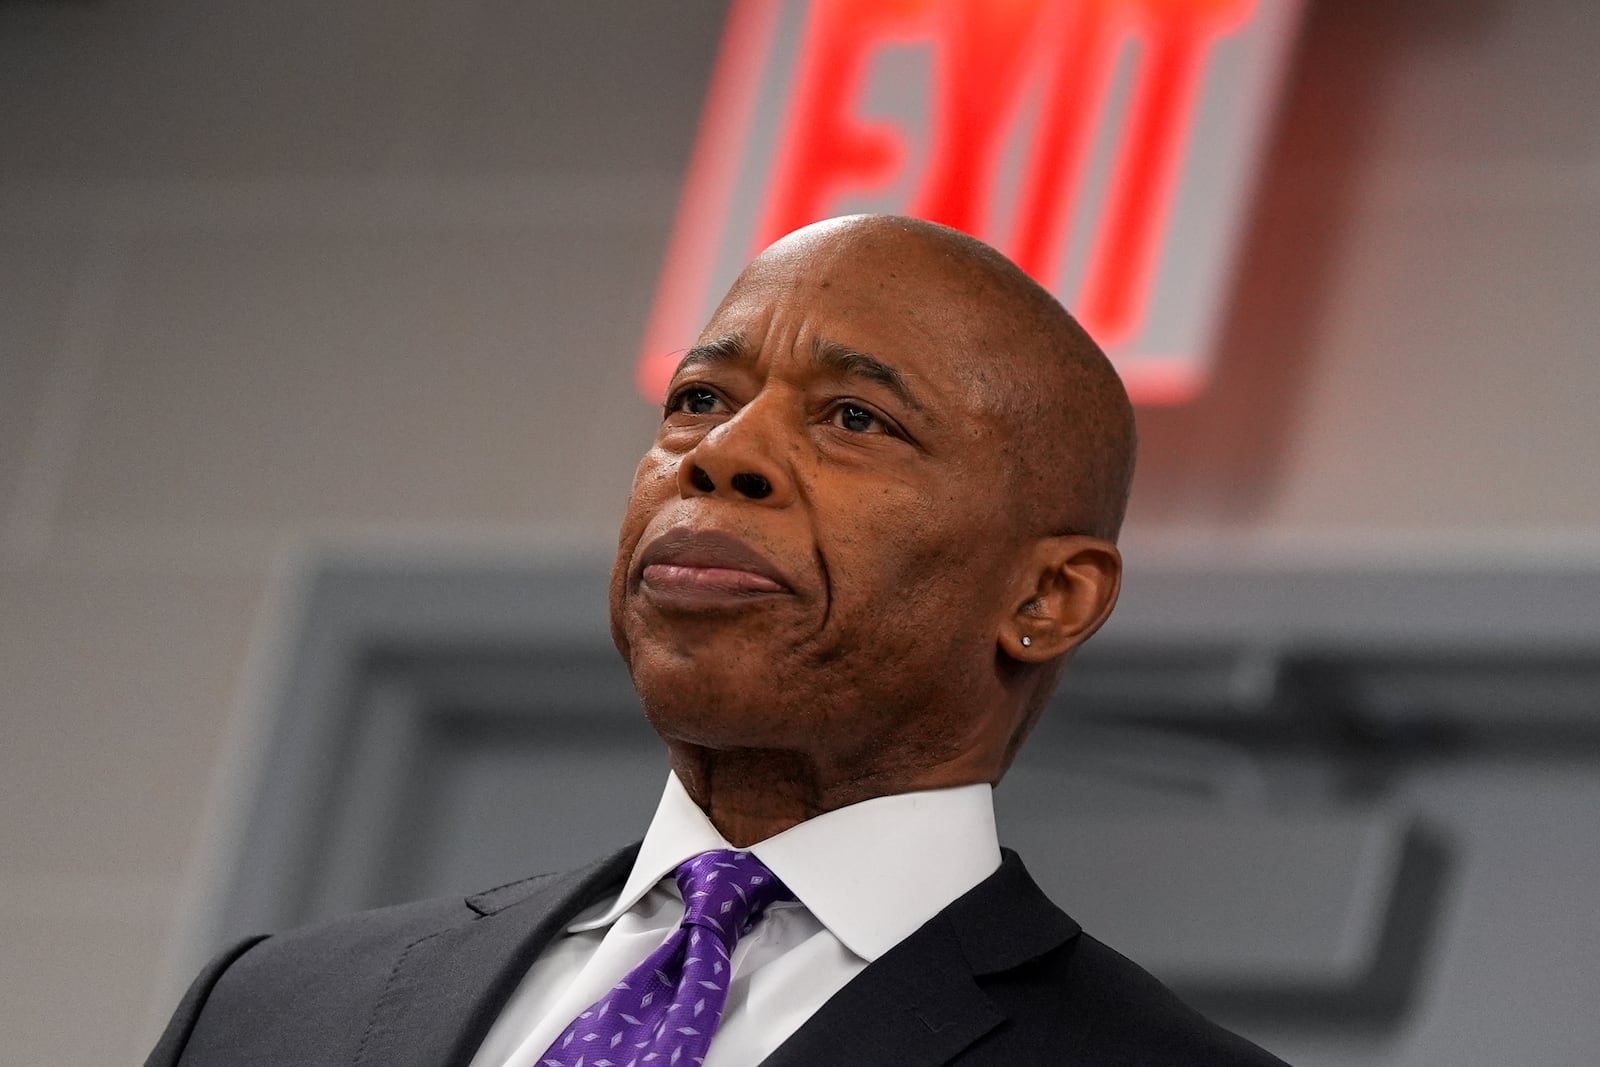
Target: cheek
{"x": 953, "y": 527}
{"x": 653, "y": 483}
{"x": 915, "y": 566}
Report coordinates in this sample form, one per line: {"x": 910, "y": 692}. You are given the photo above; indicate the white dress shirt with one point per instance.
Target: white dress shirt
{"x": 865, "y": 876}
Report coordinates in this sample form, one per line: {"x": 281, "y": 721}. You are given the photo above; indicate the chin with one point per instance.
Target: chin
{"x": 698, "y": 705}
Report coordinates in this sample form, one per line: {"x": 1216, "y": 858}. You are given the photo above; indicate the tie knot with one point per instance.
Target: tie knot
{"x": 726, "y": 891}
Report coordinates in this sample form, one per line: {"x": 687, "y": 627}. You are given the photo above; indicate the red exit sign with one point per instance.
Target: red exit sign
{"x": 1107, "y": 146}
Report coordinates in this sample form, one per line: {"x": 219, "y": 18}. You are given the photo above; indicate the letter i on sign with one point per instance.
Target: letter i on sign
{"x": 1109, "y": 147}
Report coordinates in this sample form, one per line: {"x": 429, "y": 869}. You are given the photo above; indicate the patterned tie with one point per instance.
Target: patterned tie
{"x": 666, "y": 1009}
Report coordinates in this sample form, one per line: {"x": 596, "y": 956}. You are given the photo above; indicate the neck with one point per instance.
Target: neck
{"x": 753, "y": 794}
{"x": 749, "y": 794}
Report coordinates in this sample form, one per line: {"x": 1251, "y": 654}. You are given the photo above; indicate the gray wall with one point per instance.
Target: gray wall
{"x": 372, "y": 274}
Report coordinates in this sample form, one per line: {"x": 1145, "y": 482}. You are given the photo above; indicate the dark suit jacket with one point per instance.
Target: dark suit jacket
{"x": 1001, "y": 976}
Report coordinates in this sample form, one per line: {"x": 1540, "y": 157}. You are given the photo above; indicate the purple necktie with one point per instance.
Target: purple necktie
{"x": 666, "y": 1009}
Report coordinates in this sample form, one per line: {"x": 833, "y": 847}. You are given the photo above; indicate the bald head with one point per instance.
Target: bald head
{"x": 1071, "y": 458}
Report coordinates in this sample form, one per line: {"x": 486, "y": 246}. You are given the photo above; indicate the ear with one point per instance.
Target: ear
{"x": 1065, "y": 591}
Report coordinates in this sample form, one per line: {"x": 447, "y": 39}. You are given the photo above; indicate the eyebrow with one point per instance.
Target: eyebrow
{"x": 848, "y": 363}
{"x": 731, "y": 348}
{"x": 831, "y": 356}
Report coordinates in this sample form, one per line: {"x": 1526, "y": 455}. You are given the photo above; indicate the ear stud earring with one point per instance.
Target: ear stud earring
{"x": 1027, "y": 642}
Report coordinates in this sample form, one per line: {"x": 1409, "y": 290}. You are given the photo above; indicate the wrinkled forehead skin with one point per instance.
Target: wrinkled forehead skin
{"x": 1008, "y": 353}
{"x": 886, "y": 282}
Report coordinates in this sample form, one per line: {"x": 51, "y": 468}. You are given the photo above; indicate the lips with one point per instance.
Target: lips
{"x": 706, "y": 569}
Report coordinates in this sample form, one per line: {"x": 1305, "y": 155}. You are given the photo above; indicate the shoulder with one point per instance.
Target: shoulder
{"x": 1086, "y": 1003}
{"x": 326, "y": 957}
{"x": 1129, "y": 1009}
{"x": 272, "y": 999}
{"x": 305, "y": 961}
{"x": 247, "y": 1000}
{"x": 1071, "y": 998}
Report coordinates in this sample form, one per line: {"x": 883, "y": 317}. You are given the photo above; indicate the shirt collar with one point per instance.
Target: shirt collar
{"x": 872, "y": 873}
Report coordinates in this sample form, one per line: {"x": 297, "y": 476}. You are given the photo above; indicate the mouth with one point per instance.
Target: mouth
{"x": 705, "y": 570}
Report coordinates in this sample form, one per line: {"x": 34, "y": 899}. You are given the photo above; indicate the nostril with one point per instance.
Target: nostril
{"x": 753, "y": 486}
{"x": 702, "y": 481}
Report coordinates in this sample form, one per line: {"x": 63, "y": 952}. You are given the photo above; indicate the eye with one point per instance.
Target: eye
{"x": 693, "y": 400}
{"x": 857, "y": 419}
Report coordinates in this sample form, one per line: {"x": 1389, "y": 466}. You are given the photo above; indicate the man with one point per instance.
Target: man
{"x": 878, "y": 519}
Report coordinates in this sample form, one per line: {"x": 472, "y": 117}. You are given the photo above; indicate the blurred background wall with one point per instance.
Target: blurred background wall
{"x": 279, "y": 276}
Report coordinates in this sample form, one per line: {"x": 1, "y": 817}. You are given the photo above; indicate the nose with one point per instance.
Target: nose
{"x": 754, "y": 486}
{"x": 736, "y": 459}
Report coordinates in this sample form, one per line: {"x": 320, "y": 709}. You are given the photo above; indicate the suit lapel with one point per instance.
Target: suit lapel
{"x": 921, "y": 1004}
{"x": 916, "y": 1005}
{"x": 447, "y": 987}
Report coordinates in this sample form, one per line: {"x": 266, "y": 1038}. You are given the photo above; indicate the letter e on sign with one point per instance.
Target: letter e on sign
{"x": 1108, "y": 146}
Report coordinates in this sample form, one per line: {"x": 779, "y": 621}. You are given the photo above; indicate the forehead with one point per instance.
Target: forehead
{"x": 903, "y": 312}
